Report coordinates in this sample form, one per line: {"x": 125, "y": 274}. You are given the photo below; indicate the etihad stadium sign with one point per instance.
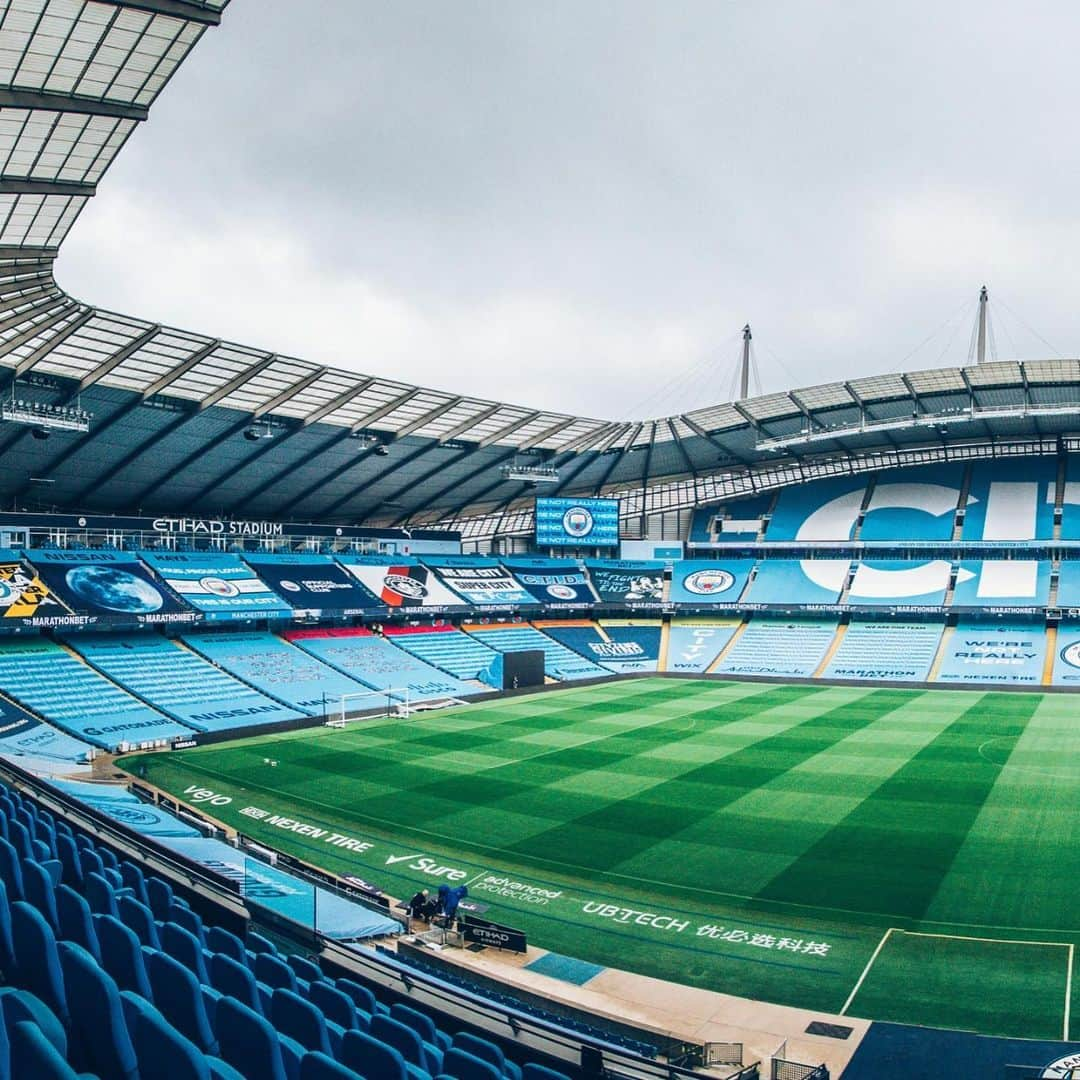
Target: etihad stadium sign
{"x": 216, "y": 527}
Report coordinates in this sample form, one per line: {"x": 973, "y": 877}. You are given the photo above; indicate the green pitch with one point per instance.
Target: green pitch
{"x": 768, "y": 841}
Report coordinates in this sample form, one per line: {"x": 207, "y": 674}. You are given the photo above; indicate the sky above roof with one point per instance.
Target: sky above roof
{"x": 577, "y": 206}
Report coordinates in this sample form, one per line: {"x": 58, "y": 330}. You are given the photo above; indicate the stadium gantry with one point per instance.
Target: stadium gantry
{"x": 797, "y": 812}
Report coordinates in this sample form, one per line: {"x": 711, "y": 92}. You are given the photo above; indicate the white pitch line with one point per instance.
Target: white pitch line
{"x": 990, "y": 940}
{"x": 1068, "y": 993}
{"x": 866, "y": 970}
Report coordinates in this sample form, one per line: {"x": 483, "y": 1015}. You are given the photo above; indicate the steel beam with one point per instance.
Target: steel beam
{"x": 14, "y": 97}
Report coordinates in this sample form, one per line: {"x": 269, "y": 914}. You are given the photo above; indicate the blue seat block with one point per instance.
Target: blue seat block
{"x": 37, "y": 963}
{"x": 32, "y": 1055}
{"x": 179, "y": 997}
{"x": 250, "y": 1044}
{"x": 317, "y": 1066}
{"x": 100, "y": 1040}
{"x": 122, "y": 955}
{"x": 422, "y": 1024}
{"x": 408, "y": 1043}
{"x": 489, "y": 1052}
{"x": 338, "y": 1007}
{"x": 465, "y": 1066}
{"x": 76, "y": 920}
{"x": 373, "y": 1059}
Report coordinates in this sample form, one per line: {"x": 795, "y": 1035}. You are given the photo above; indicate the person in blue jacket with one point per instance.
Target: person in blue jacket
{"x": 453, "y": 899}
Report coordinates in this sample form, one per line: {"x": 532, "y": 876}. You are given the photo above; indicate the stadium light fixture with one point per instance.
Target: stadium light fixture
{"x": 257, "y": 432}
{"x": 43, "y": 419}
{"x": 533, "y": 474}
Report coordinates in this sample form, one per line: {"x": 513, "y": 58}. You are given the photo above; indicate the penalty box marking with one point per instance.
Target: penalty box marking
{"x": 1069, "y": 946}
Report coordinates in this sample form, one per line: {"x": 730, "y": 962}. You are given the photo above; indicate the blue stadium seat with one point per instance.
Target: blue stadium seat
{"x": 76, "y": 920}
{"x": 234, "y": 980}
{"x": 134, "y": 879}
{"x": 189, "y": 920}
{"x": 162, "y": 1052}
{"x": 219, "y": 940}
{"x": 250, "y": 1044}
{"x": 18, "y": 1006}
{"x": 374, "y": 1060}
{"x": 320, "y": 1067}
{"x": 408, "y": 1043}
{"x": 487, "y": 1051}
{"x": 422, "y": 1024}
{"x": 100, "y": 895}
{"x": 100, "y": 1039}
{"x": 184, "y": 946}
{"x": 122, "y": 955}
{"x": 68, "y": 853}
{"x": 139, "y": 918}
{"x": 39, "y": 890}
{"x": 338, "y": 1007}
{"x": 37, "y": 963}
{"x": 274, "y": 971}
{"x": 177, "y": 994}
{"x": 531, "y": 1071}
{"x": 256, "y": 943}
{"x": 302, "y": 1021}
{"x": 465, "y": 1066}
{"x": 32, "y": 1055}
{"x": 7, "y": 955}
{"x": 305, "y": 969}
{"x": 11, "y": 870}
{"x": 362, "y": 997}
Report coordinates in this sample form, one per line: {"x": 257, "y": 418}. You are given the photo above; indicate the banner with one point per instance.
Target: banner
{"x": 108, "y": 584}
{"x": 218, "y": 585}
{"x": 313, "y": 584}
{"x": 637, "y": 584}
{"x": 25, "y": 597}
{"x": 556, "y": 587}
{"x": 709, "y": 583}
{"x": 489, "y": 585}
{"x": 403, "y": 584}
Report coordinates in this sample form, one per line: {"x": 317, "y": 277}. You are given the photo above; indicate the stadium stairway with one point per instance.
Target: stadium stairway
{"x": 58, "y": 685}
{"x": 179, "y": 682}
{"x": 560, "y": 662}
{"x": 108, "y": 972}
{"x": 445, "y": 648}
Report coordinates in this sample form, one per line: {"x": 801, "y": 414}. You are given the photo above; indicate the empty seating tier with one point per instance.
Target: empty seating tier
{"x": 559, "y": 661}
{"x": 891, "y": 651}
{"x": 46, "y": 678}
{"x": 445, "y": 648}
{"x": 376, "y": 663}
{"x": 779, "y": 647}
{"x": 179, "y": 682}
{"x": 277, "y": 668}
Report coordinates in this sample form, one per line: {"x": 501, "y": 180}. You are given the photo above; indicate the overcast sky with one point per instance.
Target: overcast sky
{"x": 577, "y": 205}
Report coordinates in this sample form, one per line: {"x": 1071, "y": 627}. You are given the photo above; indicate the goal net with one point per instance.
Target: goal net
{"x": 370, "y": 705}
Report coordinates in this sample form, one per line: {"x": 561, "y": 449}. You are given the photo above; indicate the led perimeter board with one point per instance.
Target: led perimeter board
{"x": 577, "y": 523}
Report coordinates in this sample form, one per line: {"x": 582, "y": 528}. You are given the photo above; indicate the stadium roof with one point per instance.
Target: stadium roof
{"x": 184, "y": 423}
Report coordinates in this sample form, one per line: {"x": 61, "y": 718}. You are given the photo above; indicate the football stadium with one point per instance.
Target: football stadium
{"x": 355, "y": 729}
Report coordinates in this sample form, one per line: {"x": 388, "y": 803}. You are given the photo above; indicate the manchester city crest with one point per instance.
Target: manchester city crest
{"x": 577, "y": 522}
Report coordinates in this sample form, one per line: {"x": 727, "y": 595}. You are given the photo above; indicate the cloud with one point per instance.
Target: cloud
{"x": 578, "y": 206}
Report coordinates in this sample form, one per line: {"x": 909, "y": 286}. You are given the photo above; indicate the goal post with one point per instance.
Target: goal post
{"x": 369, "y": 704}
